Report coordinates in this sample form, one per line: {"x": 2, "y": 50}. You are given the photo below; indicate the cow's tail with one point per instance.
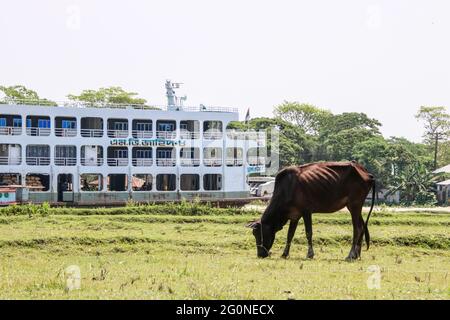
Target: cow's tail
{"x": 366, "y": 229}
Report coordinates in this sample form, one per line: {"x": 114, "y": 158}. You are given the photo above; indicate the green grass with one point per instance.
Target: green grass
{"x": 147, "y": 253}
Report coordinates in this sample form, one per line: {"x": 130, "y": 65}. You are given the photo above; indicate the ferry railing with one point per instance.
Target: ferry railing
{"x": 238, "y": 135}
{"x": 213, "y": 135}
{"x": 212, "y": 162}
{"x": 8, "y": 161}
{"x": 166, "y": 134}
{"x": 189, "y": 162}
{"x": 171, "y": 162}
{"x": 142, "y": 162}
{"x": 142, "y": 134}
{"x": 117, "y": 133}
{"x": 232, "y": 162}
{"x": 117, "y": 162}
{"x": 256, "y": 161}
{"x": 62, "y": 161}
{"x": 38, "y": 161}
{"x": 92, "y": 133}
{"x": 65, "y": 132}
{"x": 92, "y": 162}
{"x": 10, "y": 131}
{"x": 80, "y": 104}
{"x": 189, "y": 134}
{"x": 35, "y": 131}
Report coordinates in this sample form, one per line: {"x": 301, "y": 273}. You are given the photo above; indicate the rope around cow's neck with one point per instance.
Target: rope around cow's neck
{"x": 262, "y": 241}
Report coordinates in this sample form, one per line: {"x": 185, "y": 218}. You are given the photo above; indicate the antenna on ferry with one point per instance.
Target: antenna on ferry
{"x": 174, "y": 102}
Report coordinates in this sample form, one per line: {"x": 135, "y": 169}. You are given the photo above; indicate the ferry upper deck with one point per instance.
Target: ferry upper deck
{"x": 111, "y": 154}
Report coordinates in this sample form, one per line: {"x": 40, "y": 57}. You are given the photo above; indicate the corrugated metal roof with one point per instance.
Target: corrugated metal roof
{"x": 445, "y": 169}
{"x": 444, "y": 183}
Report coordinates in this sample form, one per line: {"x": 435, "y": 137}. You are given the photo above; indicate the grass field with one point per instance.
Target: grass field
{"x": 173, "y": 256}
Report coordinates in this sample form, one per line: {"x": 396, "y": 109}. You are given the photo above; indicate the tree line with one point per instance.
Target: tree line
{"x": 310, "y": 134}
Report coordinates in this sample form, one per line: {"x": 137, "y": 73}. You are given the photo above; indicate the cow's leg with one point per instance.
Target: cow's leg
{"x": 307, "y": 219}
{"x": 292, "y": 227}
{"x": 358, "y": 231}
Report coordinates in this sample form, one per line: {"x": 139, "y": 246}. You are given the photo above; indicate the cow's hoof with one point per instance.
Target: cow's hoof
{"x": 310, "y": 256}
{"x": 352, "y": 258}
{"x": 284, "y": 256}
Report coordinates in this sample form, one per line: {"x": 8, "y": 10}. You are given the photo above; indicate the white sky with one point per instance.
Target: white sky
{"x": 385, "y": 58}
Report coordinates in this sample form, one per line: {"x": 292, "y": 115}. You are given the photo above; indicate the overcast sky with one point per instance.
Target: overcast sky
{"x": 385, "y": 58}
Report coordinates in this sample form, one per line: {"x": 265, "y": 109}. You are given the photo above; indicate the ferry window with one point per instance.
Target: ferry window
{"x": 166, "y": 182}
{"x": 65, "y": 155}
{"x": 120, "y": 126}
{"x": 38, "y": 150}
{"x": 142, "y": 182}
{"x": 120, "y": 153}
{"x": 190, "y": 157}
{"x": 190, "y": 153}
{"x": 69, "y": 124}
{"x": 234, "y": 157}
{"x": 165, "y": 156}
{"x": 166, "y": 129}
{"x": 117, "y": 182}
{"x": 142, "y": 128}
{"x": 37, "y": 182}
{"x": 144, "y": 153}
{"x": 256, "y": 156}
{"x": 91, "y": 155}
{"x": 166, "y": 126}
{"x": 212, "y": 156}
{"x": 91, "y": 182}
{"x": 66, "y": 151}
{"x": 10, "y": 179}
{"x": 212, "y": 125}
{"x": 190, "y": 182}
{"x": 164, "y": 153}
{"x": 44, "y": 123}
{"x": 10, "y": 120}
{"x": 92, "y": 127}
{"x": 29, "y": 123}
{"x": 142, "y": 156}
{"x": 212, "y": 129}
{"x": 189, "y": 129}
{"x": 10, "y": 154}
{"x": 117, "y": 156}
{"x": 17, "y": 122}
{"x": 212, "y": 182}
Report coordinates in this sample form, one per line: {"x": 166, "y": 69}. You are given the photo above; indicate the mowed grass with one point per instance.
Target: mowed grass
{"x": 148, "y": 256}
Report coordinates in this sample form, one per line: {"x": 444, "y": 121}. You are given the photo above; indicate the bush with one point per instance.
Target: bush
{"x": 29, "y": 209}
{"x": 194, "y": 208}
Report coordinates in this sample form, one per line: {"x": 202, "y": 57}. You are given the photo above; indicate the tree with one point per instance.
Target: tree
{"x": 444, "y": 153}
{"x": 342, "y": 132}
{"x": 306, "y": 116}
{"x": 106, "y": 96}
{"x": 437, "y": 127}
{"x": 373, "y": 154}
{"x": 21, "y": 95}
{"x": 295, "y": 147}
{"x": 415, "y": 185}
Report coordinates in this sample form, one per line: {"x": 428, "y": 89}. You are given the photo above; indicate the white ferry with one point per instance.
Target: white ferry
{"x": 91, "y": 154}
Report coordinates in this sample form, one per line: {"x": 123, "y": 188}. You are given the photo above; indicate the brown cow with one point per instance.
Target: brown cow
{"x": 317, "y": 187}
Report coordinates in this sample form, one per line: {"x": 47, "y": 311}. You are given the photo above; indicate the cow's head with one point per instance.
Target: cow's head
{"x": 264, "y": 235}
